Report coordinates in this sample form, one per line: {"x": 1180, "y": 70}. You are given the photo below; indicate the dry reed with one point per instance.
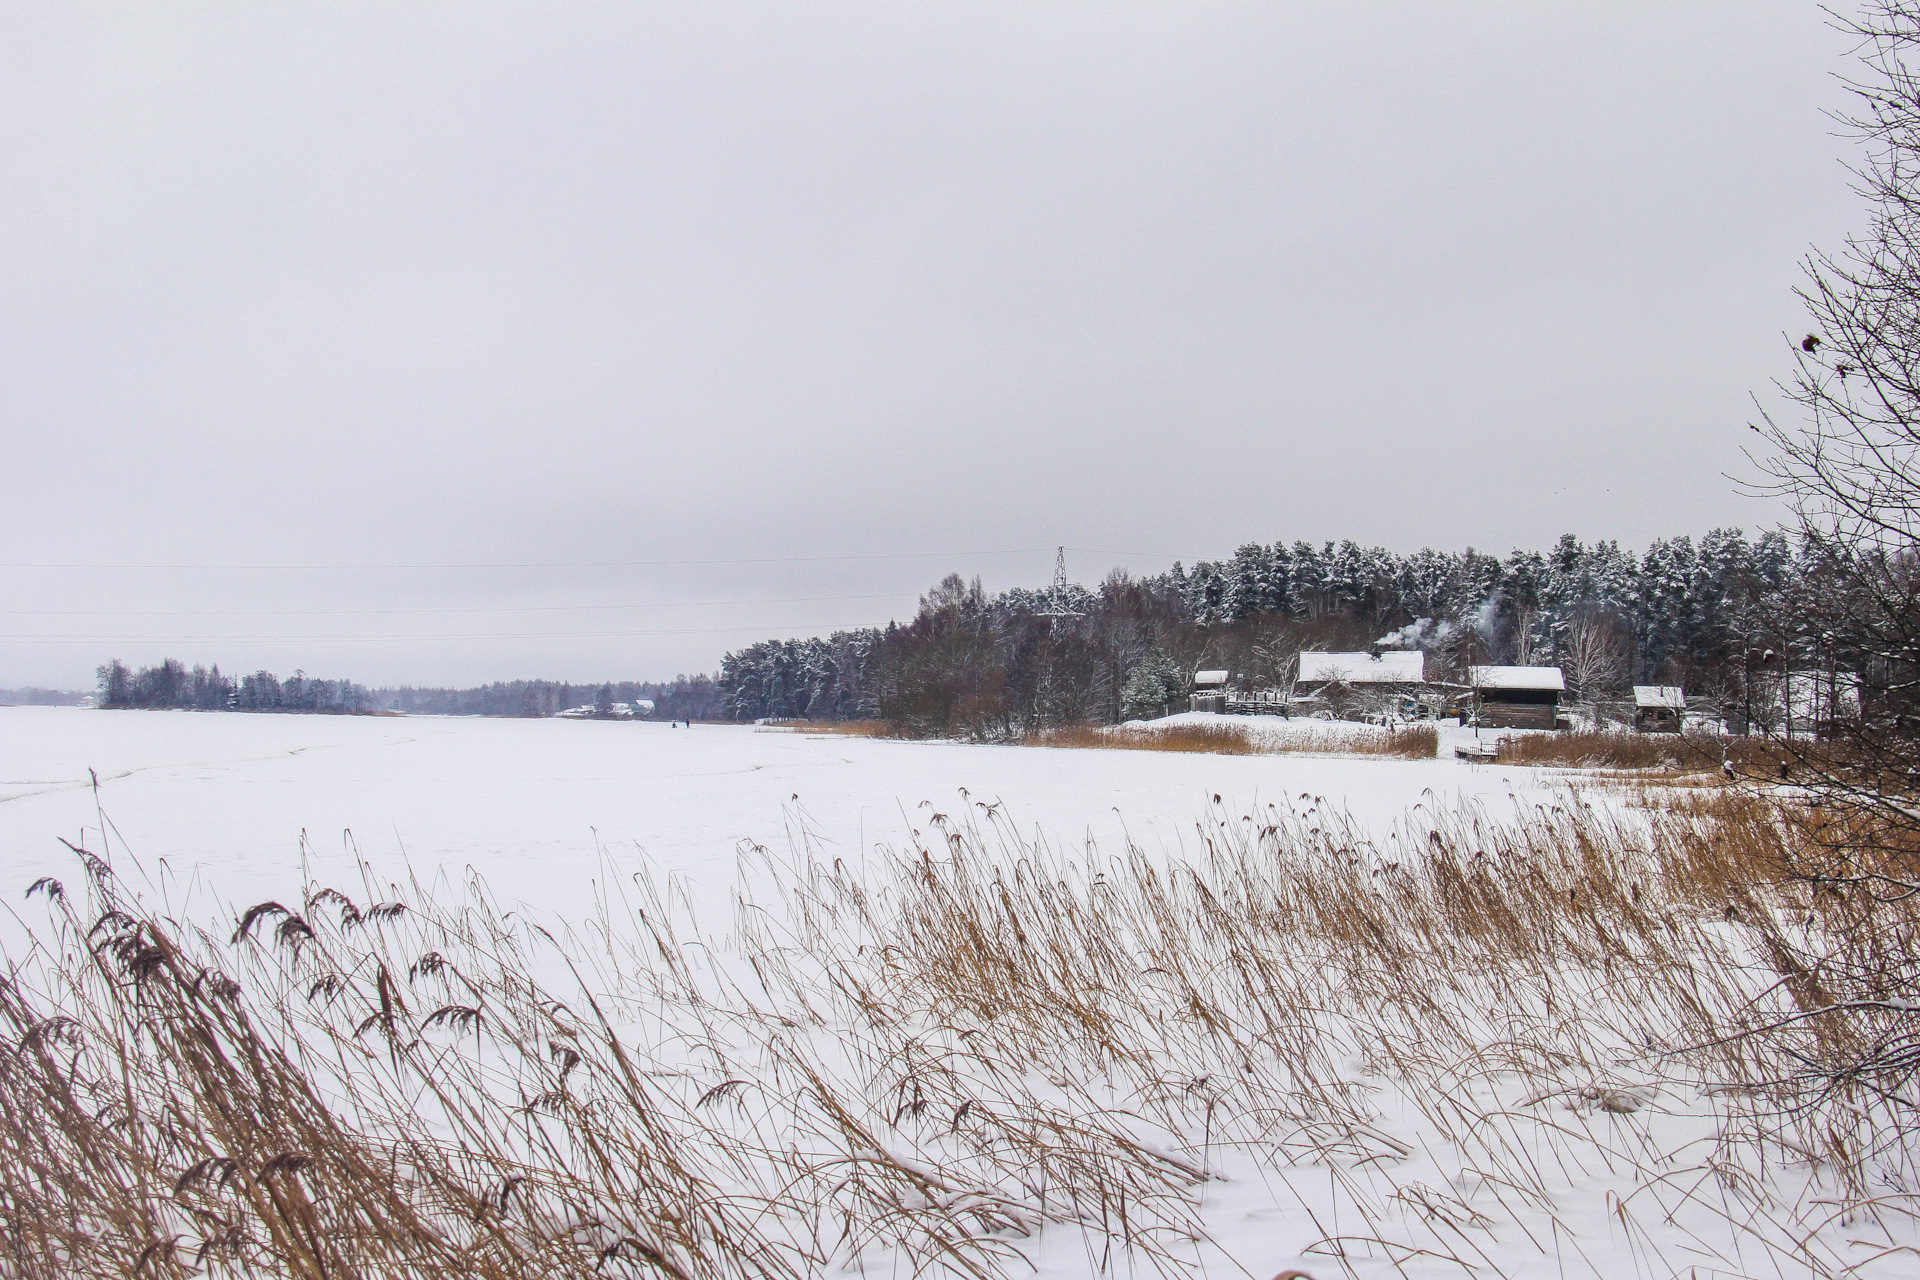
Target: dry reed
{"x": 1412, "y": 742}
{"x": 842, "y": 728}
{"x": 1611, "y": 749}
{"x": 932, "y": 1058}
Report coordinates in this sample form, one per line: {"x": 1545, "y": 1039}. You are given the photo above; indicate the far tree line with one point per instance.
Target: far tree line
{"x": 1712, "y": 617}
{"x": 35, "y": 696}
{"x": 681, "y": 698}
{"x": 172, "y": 685}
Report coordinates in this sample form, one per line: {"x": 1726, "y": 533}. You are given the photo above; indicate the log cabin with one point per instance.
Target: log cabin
{"x": 1658, "y": 708}
{"x": 1517, "y": 697}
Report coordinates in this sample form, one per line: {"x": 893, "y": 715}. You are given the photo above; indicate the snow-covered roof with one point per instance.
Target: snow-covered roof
{"x": 1665, "y": 696}
{"x": 1209, "y": 677}
{"x": 1516, "y": 678}
{"x": 1365, "y": 668}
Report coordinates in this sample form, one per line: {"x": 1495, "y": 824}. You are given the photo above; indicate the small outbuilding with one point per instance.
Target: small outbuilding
{"x": 1659, "y": 708}
{"x": 1517, "y": 697}
{"x": 1210, "y": 691}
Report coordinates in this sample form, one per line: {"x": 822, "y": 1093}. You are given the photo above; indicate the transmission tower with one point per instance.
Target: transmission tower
{"x": 1057, "y": 596}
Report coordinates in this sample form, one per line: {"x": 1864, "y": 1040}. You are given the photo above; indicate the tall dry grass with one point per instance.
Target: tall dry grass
{"x": 923, "y": 1062}
{"x": 1529, "y": 987}
{"x": 1412, "y": 742}
{"x": 842, "y": 728}
{"x": 349, "y": 1086}
{"x": 1607, "y": 749}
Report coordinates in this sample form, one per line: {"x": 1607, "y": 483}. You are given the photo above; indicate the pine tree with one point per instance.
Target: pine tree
{"x": 1153, "y": 687}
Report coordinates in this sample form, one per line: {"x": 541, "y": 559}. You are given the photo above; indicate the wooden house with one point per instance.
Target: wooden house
{"x": 1517, "y": 697}
{"x": 1392, "y": 682}
{"x": 1389, "y": 666}
{"x": 1659, "y": 708}
{"x": 1374, "y": 670}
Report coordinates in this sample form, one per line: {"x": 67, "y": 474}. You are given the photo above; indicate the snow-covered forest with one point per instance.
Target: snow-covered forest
{"x": 172, "y": 686}
{"x": 1707, "y": 615}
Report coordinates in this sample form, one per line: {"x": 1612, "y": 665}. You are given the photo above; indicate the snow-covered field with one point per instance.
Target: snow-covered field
{"x": 536, "y": 805}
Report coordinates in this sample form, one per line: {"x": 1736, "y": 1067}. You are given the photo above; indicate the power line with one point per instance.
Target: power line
{"x": 346, "y": 613}
{"x": 788, "y": 628}
{"x": 1056, "y": 600}
{"x": 572, "y": 564}
{"x": 1150, "y": 555}
{"x": 557, "y": 564}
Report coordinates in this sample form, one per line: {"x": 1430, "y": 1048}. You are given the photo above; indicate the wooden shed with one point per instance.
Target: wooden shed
{"x": 1517, "y": 697}
{"x": 1659, "y": 708}
{"x": 1209, "y": 691}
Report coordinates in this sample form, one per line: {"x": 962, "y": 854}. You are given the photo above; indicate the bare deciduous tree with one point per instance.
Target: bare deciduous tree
{"x": 1851, "y": 467}
{"x": 1596, "y": 654}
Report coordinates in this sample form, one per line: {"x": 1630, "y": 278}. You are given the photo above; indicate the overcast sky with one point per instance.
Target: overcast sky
{"x": 940, "y": 285}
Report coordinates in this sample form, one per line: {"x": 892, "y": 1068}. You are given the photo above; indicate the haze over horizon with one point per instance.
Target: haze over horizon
{"x": 777, "y": 314}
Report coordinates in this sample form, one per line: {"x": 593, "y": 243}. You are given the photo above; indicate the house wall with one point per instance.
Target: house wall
{"x": 1656, "y": 720}
{"x": 1506, "y": 712}
{"x": 1312, "y": 688}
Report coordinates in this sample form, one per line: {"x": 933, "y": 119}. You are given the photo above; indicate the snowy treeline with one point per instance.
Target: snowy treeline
{"x": 1676, "y": 602}
{"x": 1705, "y": 615}
{"x": 808, "y": 679}
{"x": 34, "y": 696}
{"x": 681, "y": 698}
{"x": 206, "y": 689}
{"x": 172, "y": 686}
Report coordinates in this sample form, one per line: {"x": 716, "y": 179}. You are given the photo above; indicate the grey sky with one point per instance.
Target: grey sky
{"x": 453, "y": 284}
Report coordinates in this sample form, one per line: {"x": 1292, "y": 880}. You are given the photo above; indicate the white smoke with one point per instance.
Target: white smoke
{"x": 1421, "y": 633}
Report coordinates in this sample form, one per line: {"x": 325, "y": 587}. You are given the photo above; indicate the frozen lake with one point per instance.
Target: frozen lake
{"x": 220, "y": 801}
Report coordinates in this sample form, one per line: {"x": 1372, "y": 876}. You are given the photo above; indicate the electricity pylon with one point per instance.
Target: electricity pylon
{"x": 1057, "y": 596}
